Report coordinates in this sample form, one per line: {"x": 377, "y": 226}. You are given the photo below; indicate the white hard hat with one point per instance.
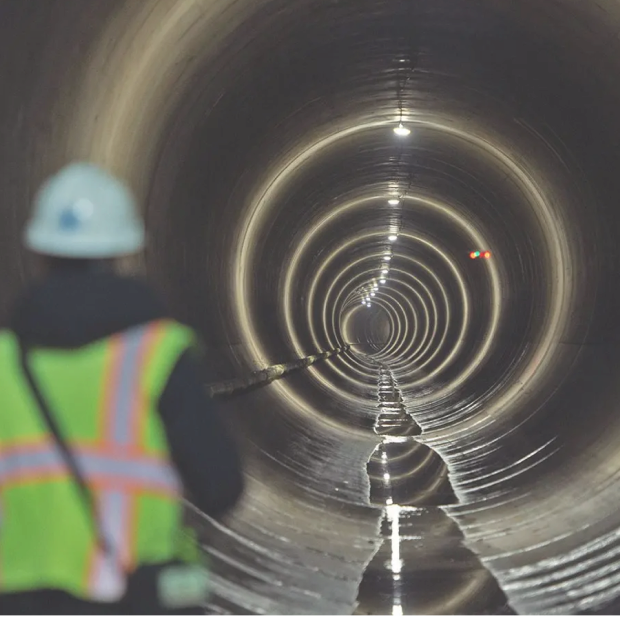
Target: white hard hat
{"x": 84, "y": 212}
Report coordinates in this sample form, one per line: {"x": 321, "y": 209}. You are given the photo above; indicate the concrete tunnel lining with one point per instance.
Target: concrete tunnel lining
{"x": 244, "y": 126}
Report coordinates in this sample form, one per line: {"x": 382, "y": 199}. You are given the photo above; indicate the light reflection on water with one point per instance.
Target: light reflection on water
{"x": 422, "y": 567}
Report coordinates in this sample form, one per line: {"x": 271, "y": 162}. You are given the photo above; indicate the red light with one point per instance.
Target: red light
{"x": 472, "y": 255}
{"x": 487, "y": 254}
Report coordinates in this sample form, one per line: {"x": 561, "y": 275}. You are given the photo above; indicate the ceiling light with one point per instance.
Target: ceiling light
{"x": 401, "y": 130}
{"x": 392, "y": 237}
{"x": 372, "y": 294}
{"x": 384, "y": 271}
{"x": 382, "y": 281}
{"x": 388, "y": 257}
{"x": 393, "y": 201}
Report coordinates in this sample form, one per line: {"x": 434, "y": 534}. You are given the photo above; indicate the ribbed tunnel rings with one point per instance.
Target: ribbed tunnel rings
{"x": 317, "y": 173}
{"x": 374, "y": 251}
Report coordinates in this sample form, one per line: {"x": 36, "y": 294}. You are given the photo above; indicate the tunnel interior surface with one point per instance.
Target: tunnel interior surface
{"x": 318, "y": 176}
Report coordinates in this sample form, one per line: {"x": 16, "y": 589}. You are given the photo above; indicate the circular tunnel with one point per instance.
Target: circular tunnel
{"x": 324, "y": 173}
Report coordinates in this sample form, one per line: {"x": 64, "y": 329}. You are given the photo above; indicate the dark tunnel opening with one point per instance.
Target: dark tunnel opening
{"x": 287, "y": 218}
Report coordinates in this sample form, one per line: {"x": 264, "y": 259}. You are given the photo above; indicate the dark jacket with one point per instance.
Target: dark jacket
{"x": 69, "y": 309}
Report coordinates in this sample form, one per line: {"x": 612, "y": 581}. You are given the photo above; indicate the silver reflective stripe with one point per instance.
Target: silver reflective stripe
{"x": 127, "y": 387}
{"x": 112, "y": 464}
{"x": 107, "y": 578}
{"x": 29, "y": 461}
{"x": 139, "y": 471}
{"x": 40, "y": 460}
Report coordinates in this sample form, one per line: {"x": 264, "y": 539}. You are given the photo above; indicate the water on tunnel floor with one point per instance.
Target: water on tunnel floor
{"x": 283, "y": 551}
{"x": 422, "y": 566}
{"x": 288, "y": 212}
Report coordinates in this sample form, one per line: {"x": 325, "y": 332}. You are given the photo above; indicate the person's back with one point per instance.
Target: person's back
{"x": 122, "y": 383}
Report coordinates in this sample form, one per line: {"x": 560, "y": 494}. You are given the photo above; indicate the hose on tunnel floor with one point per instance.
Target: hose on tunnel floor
{"x": 320, "y": 172}
{"x": 260, "y": 378}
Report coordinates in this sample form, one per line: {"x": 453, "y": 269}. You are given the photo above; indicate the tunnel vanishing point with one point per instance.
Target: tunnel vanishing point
{"x": 314, "y": 176}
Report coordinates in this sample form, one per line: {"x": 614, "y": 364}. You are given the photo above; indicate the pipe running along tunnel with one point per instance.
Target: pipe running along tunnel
{"x": 461, "y": 456}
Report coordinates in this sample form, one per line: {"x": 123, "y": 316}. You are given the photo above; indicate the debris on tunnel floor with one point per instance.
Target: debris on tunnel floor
{"x": 422, "y": 566}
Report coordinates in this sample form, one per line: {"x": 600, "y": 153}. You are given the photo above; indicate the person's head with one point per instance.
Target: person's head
{"x": 84, "y": 218}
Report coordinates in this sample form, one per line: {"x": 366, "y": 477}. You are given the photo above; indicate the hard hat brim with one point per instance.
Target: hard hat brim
{"x": 127, "y": 242}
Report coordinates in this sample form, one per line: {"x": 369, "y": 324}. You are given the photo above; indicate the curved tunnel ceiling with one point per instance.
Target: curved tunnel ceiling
{"x": 259, "y": 134}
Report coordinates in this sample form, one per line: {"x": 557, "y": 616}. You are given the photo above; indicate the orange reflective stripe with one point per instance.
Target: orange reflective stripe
{"x": 126, "y": 397}
{"x": 109, "y": 386}
{"x": 140, "y": 411}
{"x": 126, "y": 410}
{"x": 45, "y": 460}
{"x": 118, "y": 465}
{"x": 137, "y": 432}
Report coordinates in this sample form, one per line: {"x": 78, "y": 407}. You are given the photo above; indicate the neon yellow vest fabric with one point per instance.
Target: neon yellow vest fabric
{"x": 104, "y": 398}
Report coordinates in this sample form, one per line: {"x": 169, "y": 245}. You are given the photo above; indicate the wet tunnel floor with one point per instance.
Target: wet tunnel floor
{"x": 285, "y": 552}
{"x": 422, "y": 565}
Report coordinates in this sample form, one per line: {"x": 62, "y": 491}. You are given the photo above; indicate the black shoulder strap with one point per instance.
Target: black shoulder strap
{"x": 67, "y": 454}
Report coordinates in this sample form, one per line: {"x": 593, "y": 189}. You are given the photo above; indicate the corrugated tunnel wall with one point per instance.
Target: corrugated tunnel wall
{"x": 463, "y": 455}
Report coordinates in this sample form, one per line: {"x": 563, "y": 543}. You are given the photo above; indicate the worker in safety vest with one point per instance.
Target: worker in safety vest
{"x": 122, "y": 381}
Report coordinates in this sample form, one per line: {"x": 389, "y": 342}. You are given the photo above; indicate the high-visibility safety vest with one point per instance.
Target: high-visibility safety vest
{"x": 104, "y": 397}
